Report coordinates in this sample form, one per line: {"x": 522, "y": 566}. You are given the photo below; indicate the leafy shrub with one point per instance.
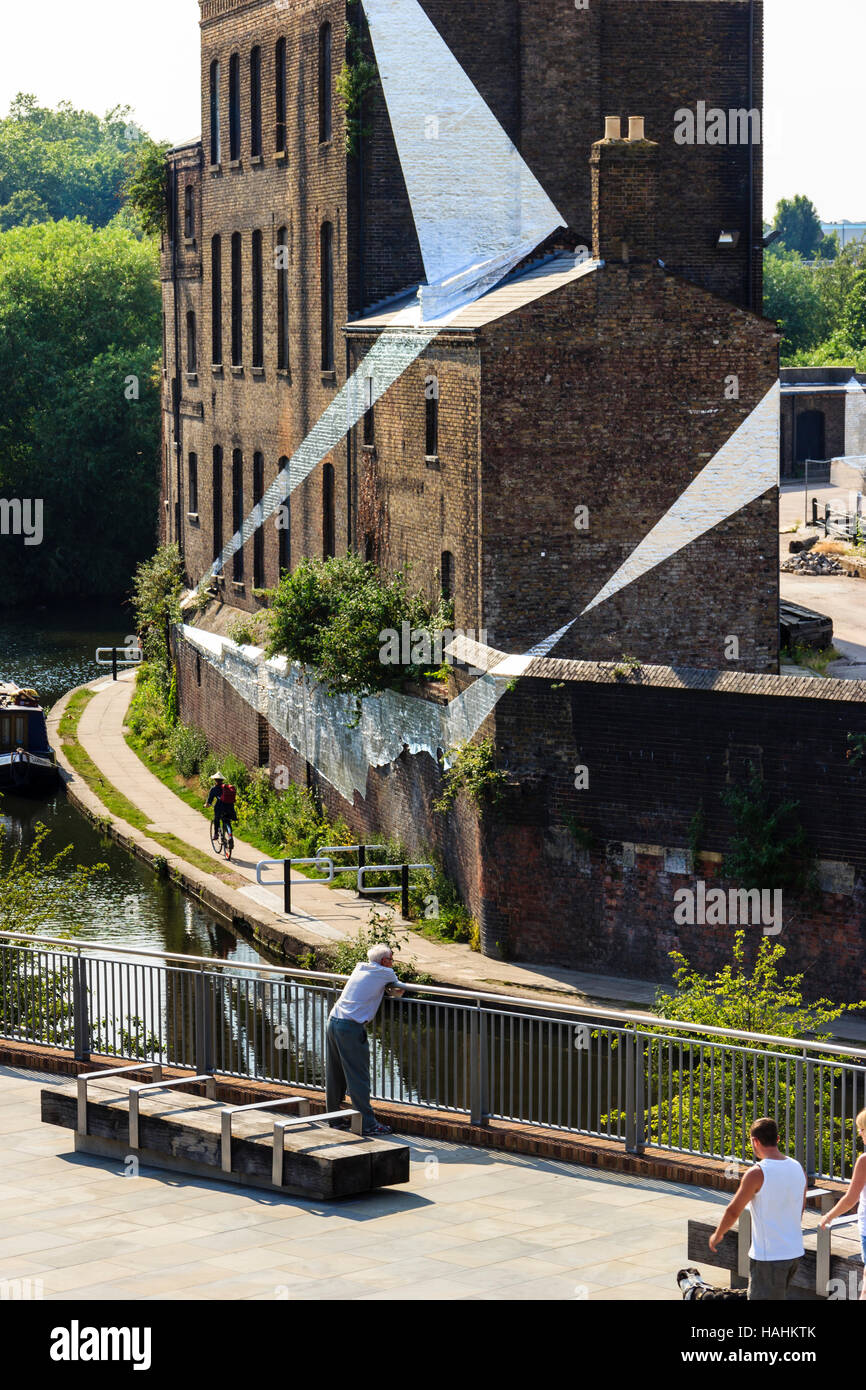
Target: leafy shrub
{"x": 157, "y": 588}
{"x": 379, "y": 931}
{"x": 188, "y": 749}
{"x": 474, "y": 771}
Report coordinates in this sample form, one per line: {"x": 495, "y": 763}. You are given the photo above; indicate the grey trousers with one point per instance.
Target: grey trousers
{"x": 348, "y": 1068}
{"x": 769, "y": 1280}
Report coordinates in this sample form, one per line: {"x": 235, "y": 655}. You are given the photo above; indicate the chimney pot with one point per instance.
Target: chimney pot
{"x": 613, "y": 127}
{"x": 637, "y": 127}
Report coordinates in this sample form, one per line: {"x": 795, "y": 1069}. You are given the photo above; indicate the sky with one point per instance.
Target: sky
{"x": 102, "y": 53}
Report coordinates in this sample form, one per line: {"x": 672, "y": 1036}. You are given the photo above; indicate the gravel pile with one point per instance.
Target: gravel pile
{"x": 811, "y": 563}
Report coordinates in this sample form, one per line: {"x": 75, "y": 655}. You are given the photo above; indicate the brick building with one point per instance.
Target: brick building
{"x": 280, "y": 240}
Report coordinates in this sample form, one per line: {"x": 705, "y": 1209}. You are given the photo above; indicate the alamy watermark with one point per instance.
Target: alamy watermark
{"x": 419, "y": 647}
{"x": 738, "y": 907}
{"x": 22, "y": 517}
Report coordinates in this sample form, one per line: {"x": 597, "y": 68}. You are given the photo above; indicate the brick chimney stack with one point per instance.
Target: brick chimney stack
{"x": 624, "y": 193}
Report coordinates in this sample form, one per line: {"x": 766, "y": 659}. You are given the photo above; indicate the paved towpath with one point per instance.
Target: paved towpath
{"x": 470, "y": 1224}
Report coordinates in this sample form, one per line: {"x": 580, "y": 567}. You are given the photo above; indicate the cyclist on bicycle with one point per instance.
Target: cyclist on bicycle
{"x": 224, "y": 812}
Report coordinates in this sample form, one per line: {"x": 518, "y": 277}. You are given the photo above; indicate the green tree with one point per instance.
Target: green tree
{"x": 800, "y": 226}
{"x": 793, "y": 296}
{"x": 63, "y": 163}
{"x": 145, "y": 188}
{"x": 79, "y": 413}
{"x": 330, "y": 615}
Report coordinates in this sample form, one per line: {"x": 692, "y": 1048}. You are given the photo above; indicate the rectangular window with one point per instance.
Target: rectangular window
{"x": 325, "y": 96}
{"x": 369, "y": 413}
{"x": 191, "y": 345}
{"x": 193, "y": 484}
{"x": 280, "y": 82}
{"x": 188, "y": 212}
{"x": 238, "y": 511}
{"x": 326, "y": 251}
{"x": 259, "y": 535}
{"x": 329, "y": 529}
{"x": 216, "y": 291}
{"x": 237, "y": 301}
{"x": 215, "y": 132}
{"x": 431, "y": 394}
{"x": 217, "y": 501}
{"x": 283, "y": 299}
{"x": 284, "y": 528}
{"x": 256, "y": 102}
{"x": 234, "y": 107}
{"x": 258, "y": 291}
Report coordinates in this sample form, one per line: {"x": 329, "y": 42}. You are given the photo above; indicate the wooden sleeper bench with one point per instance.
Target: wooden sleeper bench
{"x": 166, "y": 1127}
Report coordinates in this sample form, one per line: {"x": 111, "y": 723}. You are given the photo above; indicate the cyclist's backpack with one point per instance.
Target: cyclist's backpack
{"x": 229, "y": 795}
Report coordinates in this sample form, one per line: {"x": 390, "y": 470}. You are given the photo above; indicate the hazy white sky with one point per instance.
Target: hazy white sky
{"x": 103, "y": 53}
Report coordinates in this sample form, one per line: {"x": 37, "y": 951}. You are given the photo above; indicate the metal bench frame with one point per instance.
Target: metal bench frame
{"x": 230, "y": 1111}
{"x": 136, "y": 1092}
{"x": 85, "y": 1077}
{"x": 280, "y": 1127}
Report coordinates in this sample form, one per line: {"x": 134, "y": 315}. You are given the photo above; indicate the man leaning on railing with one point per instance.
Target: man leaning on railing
{"x": 348, "y": 1056}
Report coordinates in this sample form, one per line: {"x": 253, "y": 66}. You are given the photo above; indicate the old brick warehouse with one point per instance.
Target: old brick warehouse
{"x": 595, "y": 382}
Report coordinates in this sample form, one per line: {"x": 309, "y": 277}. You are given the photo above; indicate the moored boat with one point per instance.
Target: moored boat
{"x": 28, "y": 766}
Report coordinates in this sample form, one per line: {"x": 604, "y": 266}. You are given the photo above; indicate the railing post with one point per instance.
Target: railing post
{"x": 404, "y": 891}
{"x": 635, "y": 1135}
{"x": 287, "y": 887}
{"x": 799, "y": 1112}
{"x": 80, "y": 1011}
{"x": 114, "y": 663}
{"x": 203, "y": 1026}
{"x": 362, "y": 860}
{"x": 810, "y": 1164}
{"x": 478, "y": 1106}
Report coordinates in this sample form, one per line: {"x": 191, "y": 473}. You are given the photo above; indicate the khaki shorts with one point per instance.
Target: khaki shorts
{"x": 769, "y": 1280}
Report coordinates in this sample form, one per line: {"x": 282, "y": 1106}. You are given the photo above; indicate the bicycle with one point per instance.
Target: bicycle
{"x": 221, "y": 838}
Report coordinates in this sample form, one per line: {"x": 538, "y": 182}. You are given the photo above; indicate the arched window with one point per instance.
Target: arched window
{"x": 256, "y": 102}
{"x": 325, "y": 95}
{"x": 192, "y": 491}
{"x": 217, "y": 501}
{"x": 431, "y": 402}
{"x": 283, "y": 299}
{"x": 280, "y": 94}
{"x": 215, "y": 130}
{"x": 237, "y": 511}
{"x": 329, "y": 529}
{"x": 216, "y": 300}
{"x": 234, "y": 107}
{"x": 258, "y": 292}
{"x": 191, "y": 347}
{"x": 447, "y": 571}
{"x": 259, "y": 535}
{"x": 237, "y": 301}
{"x": 326, "y": 254}
{"x": 284, "y": 529}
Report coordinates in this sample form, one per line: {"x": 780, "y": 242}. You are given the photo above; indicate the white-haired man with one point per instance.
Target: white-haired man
{"x": 348, "y": 1059}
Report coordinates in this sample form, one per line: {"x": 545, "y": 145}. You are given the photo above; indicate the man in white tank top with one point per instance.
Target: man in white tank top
{"x": 775, "y": 1193}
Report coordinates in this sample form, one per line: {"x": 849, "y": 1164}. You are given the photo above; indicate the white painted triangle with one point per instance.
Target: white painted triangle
{"x": 745, "y": 468}
{"x": 478, "y": 208}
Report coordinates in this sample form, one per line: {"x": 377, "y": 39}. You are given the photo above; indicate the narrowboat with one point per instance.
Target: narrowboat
{"x": 28, "y": 766}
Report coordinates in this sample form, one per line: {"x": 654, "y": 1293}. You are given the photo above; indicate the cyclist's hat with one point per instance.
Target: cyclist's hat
{"x": 218, "y": 777}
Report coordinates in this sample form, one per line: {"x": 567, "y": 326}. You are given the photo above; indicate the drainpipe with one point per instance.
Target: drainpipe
{"x": 176, "y": 380}
{"x": 754, "y": 307}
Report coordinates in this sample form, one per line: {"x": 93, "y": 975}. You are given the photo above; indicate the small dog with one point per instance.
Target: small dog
{"x": 695, "y": 1288}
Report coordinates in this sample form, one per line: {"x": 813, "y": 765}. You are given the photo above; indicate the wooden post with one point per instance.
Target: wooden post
{"x": 287, "y": 887}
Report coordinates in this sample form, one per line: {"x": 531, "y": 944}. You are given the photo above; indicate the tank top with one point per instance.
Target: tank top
{"x": 861, "y": 1213}
{"x": 777, "y": 1211}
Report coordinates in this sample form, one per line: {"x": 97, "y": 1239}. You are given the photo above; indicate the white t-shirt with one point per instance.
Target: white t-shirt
{"x": 363, "y": 992}
{"x": 777, "y": 1211}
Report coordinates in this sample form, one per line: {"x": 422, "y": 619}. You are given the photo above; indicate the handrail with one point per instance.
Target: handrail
{"x": 476, "y": 997}
{"x": 136, "y": 1092}
{"x": 231, "y": 1110}
{"x": 84, "y": 1077}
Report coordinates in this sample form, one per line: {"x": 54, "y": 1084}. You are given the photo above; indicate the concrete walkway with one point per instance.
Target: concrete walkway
{"x": 471, "y": 1224}
{"x": 321, "y": 915}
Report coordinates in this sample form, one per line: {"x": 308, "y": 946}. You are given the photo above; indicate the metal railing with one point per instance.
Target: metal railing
{"x": 628, "y": 1077}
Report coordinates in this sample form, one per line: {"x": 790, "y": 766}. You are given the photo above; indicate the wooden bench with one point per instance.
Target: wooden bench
{"x": 832, "y": 1264}
{"x": 164, "y": 1126}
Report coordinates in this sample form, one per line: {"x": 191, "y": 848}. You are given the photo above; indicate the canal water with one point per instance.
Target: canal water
{"x": 128, "y": 905}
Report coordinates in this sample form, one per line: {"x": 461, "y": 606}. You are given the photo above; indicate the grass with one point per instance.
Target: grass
{"x": 114, "y": 801}
{"x": 811, "y": 658}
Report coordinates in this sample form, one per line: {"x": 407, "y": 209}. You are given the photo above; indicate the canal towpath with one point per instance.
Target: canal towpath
{"x": 321, "y": 916}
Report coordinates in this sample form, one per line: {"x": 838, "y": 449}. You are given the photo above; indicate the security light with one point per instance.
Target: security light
{"x": 729, "y": 238}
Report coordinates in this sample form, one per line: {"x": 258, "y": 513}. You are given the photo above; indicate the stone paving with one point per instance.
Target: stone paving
{"x": 471, "y": 1224}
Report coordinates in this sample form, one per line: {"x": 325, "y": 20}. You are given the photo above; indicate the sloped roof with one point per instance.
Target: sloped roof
{"x": 515, "y": 292}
